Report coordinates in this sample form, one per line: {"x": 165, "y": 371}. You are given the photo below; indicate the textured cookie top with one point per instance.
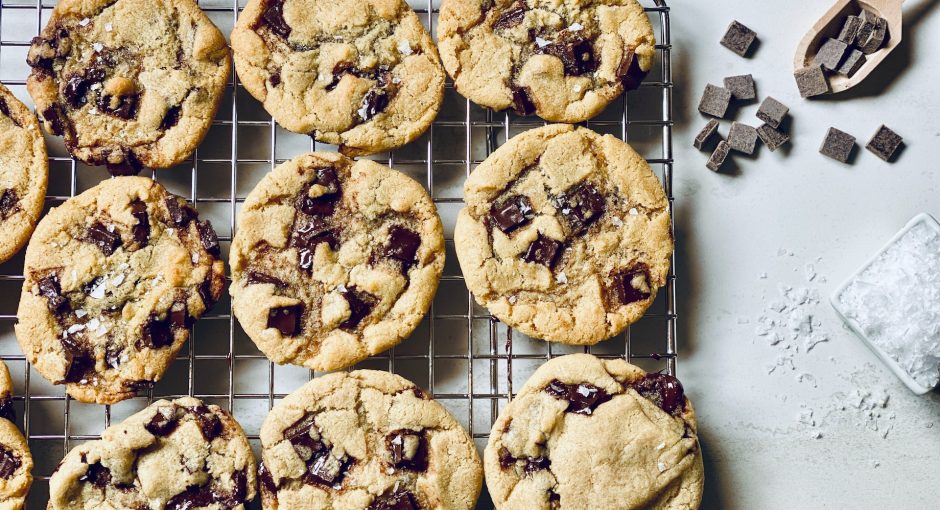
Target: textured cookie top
{"x": 584, "y": 433}
{"x": 361, "y": 74}
{"x": 114, "y": 279}
{"x": 23, "y": 173}
{"x": 128, "y": 83}
{"x": 564, "y": 61}
{"x": 177, "y": 455}
{"x": 334, "y": 260}
{"x": 366, "y": 440}
{"x": 565, "y": 235}
{"x": 16, "y": 465}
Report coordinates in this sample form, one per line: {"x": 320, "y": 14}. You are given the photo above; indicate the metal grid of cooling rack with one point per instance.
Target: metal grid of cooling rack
{"x": 466, "y": 359}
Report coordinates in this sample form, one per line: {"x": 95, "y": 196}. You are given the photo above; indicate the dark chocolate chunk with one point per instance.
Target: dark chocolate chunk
{"x": 582, "y": 206}
{"x": 554, "y": 500}
{"x": 521, "y": 102}
{"x": 209, "y": 423}
{"x": 704, "y": 136}
{"x": 307, "y": 237}
{"x": 122, "y": 162}
{"x": 577, "y": 55}
{"x": 511, "y": 17}
{"x": 122, "y": 107}
{"x": 211, "y": 495}
{"x": 274, "y": 17}
{"x": 140, "y": 384}
{"x": 77, "y": 85}
{"x": 742, "y": 87}
{"x": 105, "y": 238}
{"x": 512, "y": 213}
{"x": 9, "y": 462}
{"x": 267, "y": 481}
{"x": 79, "y": 358}
{"x": 42, "y": 54}
{"x": 49, "y": 288}
{"x": 506, "y": 460}
{"x": 582, "y": 398}
{"x": 402, "y": 245}
{"x": 872, "y": 34}
{"x": 97, "y": 475}
{"x": 55, "y": 117}
{"x": 396, "y": 500}
{"x": 326, "y": 177}
{"x": 140, "y": 231}
{"x": 663, "y": 390}
{"x": 544, "y": 250}
{"x": 830, "y": 54}
{"x": 275, "y": 78}
{"x": 286, "y": 319}
{"x": 408, "y": 450}
{"x": 374, "y": 103}
{"x": 811, "y": 81}
{"x": 299, "y": 435}
{"x": 171, "y": 118}
{"x": 738, "y": 38}
{"x": 178, "y": 316}
{"x": 885, "y": 143}
{"x": 742, "y": 138}
{"x": 157, "y": 334}
{"x": 180, "y": 214}
{"x": 4, "y": 109}
{"x": 9, "y": 203}
{"x": 838, "y": 145}
{"x": 772, "y": 138}
{"x": 326, "y": 469}
{"x": 533, "y": 464}
{"x": 715, "y": 101}
{"x": 718, "y": 157}
{"x": 632, "y": 286}
{"x": 630, "y": 72}
{"x": 259, "y": 278}
{"x": 210, "y": 241}
{"x": 853, "y": 62}
{"x": 164, "y": 421}
{"x": 772, "y": 112}
{"x": 7, "y": 410}
{"x": 360, "y": 306}
{"x": 325, "y": 204}
{"x": 849, "y": 31}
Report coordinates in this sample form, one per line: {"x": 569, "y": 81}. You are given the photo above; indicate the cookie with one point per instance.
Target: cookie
{"x": 361, "y": 74}
{"x": 565, "y": 236}
{"x": 16, "y": 462}
{"x": 334, "y": 260}
{"x": 24, "y": 172}
{"x": 366, "y": 440}
{"x": 587, "y": 433}
{"x": 128, "y": 83}
{"x": 7, "y": 410}
{"x": 115, "y": 277}
{"x": 563, "y": 61}
{"x": 177, "y": 455}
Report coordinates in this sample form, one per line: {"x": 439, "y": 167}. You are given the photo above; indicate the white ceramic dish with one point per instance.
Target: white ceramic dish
{"x": 917, "y": 388}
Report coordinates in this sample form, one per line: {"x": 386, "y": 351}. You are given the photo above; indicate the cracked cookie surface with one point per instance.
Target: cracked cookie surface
{"x": 366, "y": 440}
{"x": 363, "y": 75}
{"x": 115, "y": 278}
{"x": 177, "y": 455}
{"x": 565, "y": 235}
{"x": 588, "y": 433}
{"x": 128, "y": 83}
{"x": 16, "y": 462}
{"x": 562, "y": 60}
{"x": 334, "y": 260}
{"x": 24, "y": 173}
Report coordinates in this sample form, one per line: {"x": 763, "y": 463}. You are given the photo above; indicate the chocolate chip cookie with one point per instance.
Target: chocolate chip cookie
{"x": 128, "y": 83}
{"x": 366, "y": 440}
{"x": 334, "y": 260}
{"x": 564, "y": 61}
{"x": 587, "y": 433}
{"x": 16, "y": 463}
{"x": 24, "y": 172}
{"x": 177, "y": 455}
{"x": 566, "y": 235}
{"x": 115, "y": 277}
{"x": 361, "y": 74}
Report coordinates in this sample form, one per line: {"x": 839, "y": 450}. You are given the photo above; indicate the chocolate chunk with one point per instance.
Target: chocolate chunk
{"x": 122, "y": 162}
{"x": 55, "y": 117}
{"x": 534, "y": 464}
{"x": 210, "y": 241}
{"x": 275, "y": 78}
{"x": 122, "y": 107}
{"x": 171, "y": 118}
{"x": 42, "y": 54}
{"x": 719, "y": 156}
{"x": 267, "y": 481}
{"x": 326, "y": 177}
{"x": 49, "y": 288}
{"x": 140, "y": 384}
{"x": 582, "y": 206}
{"x": 299, "y": 434}
{"x": 178, "y": 315}
{"x": 811, "y": 81}
{"x": 374, "y": 103}
{"x": 209, "y": 423}
{"x": 577, "y": 55}
{"x": 360, "y": 306}
{"x": 742, "y": 87}
{"x": 9, "y": 203}
{"x": 105, "y": 238}
{"x": 164, "y": 421}
{"x": 77, "y": 85}
{"x": 180, "y": 214}
{"x": 402, "y": 245}
{"x": 97, "y": 475}
{"x": 4, "y": 109}
{"x": 408, "y": 450}
{"x": 396, "y": 500}
{"x": 325, "y": 204}
{"x": 849, "y": 31}
{"x": 838, "y": 145}
{"x": 521, "y": 103}
{"x": 738, "y": 38}
{"x": 511, "y": 17}
{"x": 506, "y": 460}
{"x": 544, "y": 250}
{"x": 140, "y": 231}
{"x": 211, "y": 495}
{"x": 772, "y": 112}
{"x": 885, "y": 144}
{"x": 326, "y": 469}
{"x": 830, "y": 54}
{"x": 715, "y": 101}
{"x": 872, "y": 35}
{"x": 704, "y": 136}
{"x": 79, "y": 358}
{"x": 286, "y": 319}
{"x": 772, "y": 138}
{"x": 7, "y": 410}
{"x": 742, "y": 138}
{"x": 259, "y": 278}
{"x": 512, "y": 213}
{"x": 156, "y": 334}
{"x": 663, "y": 390}
{"x": 582, "y": 398}
{"x": 853, "y": 62}
{"x": 307, "y": 237}
{"x": 632, "y": 286}
{"x": 630, "y": 72}
{"x": 9, "y": 463}
{"x": 274, "y": 17}
{"x": 554, "y": 500}
{"x": 339, "y": 70}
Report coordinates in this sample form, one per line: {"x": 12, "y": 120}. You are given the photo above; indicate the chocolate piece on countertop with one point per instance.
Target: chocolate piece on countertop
{"x": 838, "y": 145}
{"x": 811, "y": 81}
{"x": 715, "y": 101}
{"x": 718, "y": 157}
{"x": 772, "y": 138}
{"x": 772, "y": 112}
{"x": 738, "y": 38}
{"x": 705, "y": 136}
{"x": 830, "y": 54}
{"x": 742, "y": 87}
{"x": 885, "y": 144}
{"x": 742, "y": 138}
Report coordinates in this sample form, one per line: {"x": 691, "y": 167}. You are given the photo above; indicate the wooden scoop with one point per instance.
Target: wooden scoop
{"x": 831, "y": 24}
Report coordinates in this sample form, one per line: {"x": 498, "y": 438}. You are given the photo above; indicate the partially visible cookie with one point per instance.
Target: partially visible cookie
{"x": 566, "y": 235}
{"x": 563, "y": 61}
{"x": 7, "y": 410}
{"x": 16, "y": 466}
{"x": 115, "y": 277}
{"x": 361, "y": 74}
{"x": 177, "y": 455}
{"x": 366, "y": 440}
{"x": 24, "y": 172}
{"x": 586, "y": 433}
{"x": 334, "y": 260}
{"x": 128, "y": 83}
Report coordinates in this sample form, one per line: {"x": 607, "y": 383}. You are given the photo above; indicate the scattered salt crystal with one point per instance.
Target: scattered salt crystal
{"x": 541, "y": 43}
{"x": 816, "y": 435}
{"x": 763, "y": 276}
{"x": 97, "y": 47}
{"x": 97, "y": 292}
{"x": 661, "y": 446}
{"x": 118, "y": 280}
{"x": 810, "y": 271}
{"x": 634, "y": 212}
{"x": 577, "y": 88}
{"x": 661, "y": 466}
{"x": 617, "y": 221}
{"x": 561, "y": 278}
{"x": 93, "y": 324}
{"x": 75, "y": 328}
{"x": 806, "y": 417}
{"x": 95, "y": 86}
{"x": 195, "y": 258}
{"x": 92, "y": 111}
{"x": 396, "y": 80}
{"x": 110, "y": 228}
{"x": 80, "y": 313}
{"x": 576, "y": 27}
{"x": 404, "y": 47}
{"x": 84, "y": 22}
{"x": 513, "y": 299}
{"x": 108, "y": 27}
{"x": 390, "y": 471}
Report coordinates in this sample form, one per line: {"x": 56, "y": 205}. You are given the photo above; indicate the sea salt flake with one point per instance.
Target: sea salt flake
{"x": 513, "y": 299}
{"x": 576, "y": 27}
{"x": 97, "y": 47}
{"x": 617, "y": 221}
{"x": 108, "y": 27}
{"x": 84, "y": 22}
{"x": 75, "y": 328}
{"x": 404, "y": 47}
{"x": 634, "y": 212}
{"x": 661, "y": 466}
{"x": 118, "y": 280}
{"x": 661, "y": 446}
{"x": 97, "y": 292}
{"x": 80, "y": 313}
{"x": 541, "y": 43}
{"x": 561, "y": 278}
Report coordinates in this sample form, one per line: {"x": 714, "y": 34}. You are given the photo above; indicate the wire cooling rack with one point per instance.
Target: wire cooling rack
{"x": 466, "y": 359}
